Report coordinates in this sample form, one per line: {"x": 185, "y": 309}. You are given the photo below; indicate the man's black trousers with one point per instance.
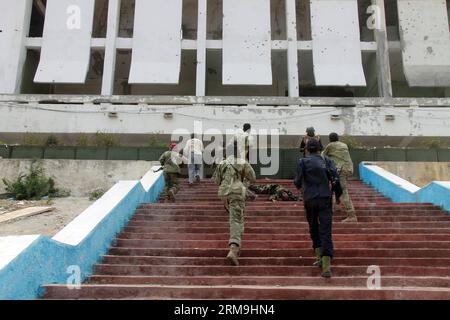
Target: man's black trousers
{"x": 320, "y": 218}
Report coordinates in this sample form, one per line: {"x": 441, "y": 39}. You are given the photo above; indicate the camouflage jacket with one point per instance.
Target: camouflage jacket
{"x": 338, "y": 152}
{"x": 276, "y": 191}
{"x": 304, "y": 143}
{"x": 171, "y": 161}
{"x": 232, "y": 175}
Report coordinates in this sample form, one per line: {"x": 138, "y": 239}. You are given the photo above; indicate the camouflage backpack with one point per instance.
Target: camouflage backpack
{"x": 231, "y": 180}
{"x": 307, "y": 138}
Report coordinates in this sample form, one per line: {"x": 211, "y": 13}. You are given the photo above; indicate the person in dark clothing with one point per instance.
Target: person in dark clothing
{"x": 315, "y": 176}
{"x": 310, "y": 135}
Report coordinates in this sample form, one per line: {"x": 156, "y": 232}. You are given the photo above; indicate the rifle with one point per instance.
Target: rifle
{"x": 335, "y": 183}
{"x": 160, "y": 169}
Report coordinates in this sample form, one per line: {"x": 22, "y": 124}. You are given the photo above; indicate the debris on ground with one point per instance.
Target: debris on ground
{"x": 23, "y": 213}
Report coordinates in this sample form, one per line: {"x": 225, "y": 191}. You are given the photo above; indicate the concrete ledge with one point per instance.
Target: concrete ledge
{"x": 87, "y": 221}
{"x": 11, "y": 247}
{"x": 401, "y": 190}
{"x": 26, "y": 263}
{"x": 151, "y": 178}
{"x": 437, "y": 192}
{"x": 392, "y": 186}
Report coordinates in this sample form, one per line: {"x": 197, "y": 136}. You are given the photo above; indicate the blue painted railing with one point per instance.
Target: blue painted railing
{"x": 46, "y": 261}
{"x": 400, "y": 190}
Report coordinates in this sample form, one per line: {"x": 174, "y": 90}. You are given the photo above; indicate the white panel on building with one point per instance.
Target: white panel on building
{"x": 425, "y": 37}
{"x": 336, "y": 43}
{"x": 247, "y": 42}
{"x": 156, "y": 56}
{"x": 66, "y": 42}
{"x": 14, "y": 25}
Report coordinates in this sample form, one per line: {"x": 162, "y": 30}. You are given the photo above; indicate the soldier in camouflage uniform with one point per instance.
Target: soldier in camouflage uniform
{"x": 171, "y": 160}
{"x": 310, "y": 135}
{"x": 230, "y": 175}
{"x": 338, "y": 152}
{"x": 277, "y": 192}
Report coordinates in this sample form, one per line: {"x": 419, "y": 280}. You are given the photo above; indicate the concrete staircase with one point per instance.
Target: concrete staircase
{"x": 177, "y": 251}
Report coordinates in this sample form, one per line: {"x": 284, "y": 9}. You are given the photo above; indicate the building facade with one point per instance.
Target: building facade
{"x": 369, "y": 68}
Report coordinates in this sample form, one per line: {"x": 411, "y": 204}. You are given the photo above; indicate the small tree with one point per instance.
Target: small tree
{"x": 51, "y": 141}
{"x": 34, "y": 185}
{"x": 433, "y": 144}
{"x": 30, "y": 139}
{"x": 103, "y": 139}
{"x": 154, "y": 142}
{"x": 82, "y": 141}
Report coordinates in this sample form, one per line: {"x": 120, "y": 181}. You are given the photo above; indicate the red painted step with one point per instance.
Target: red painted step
{"x": 283, "y": 237}
{"x": 442, "y": 282}
{"x": 338, "y": 229}
{"x": 152, "y": 292}
{"x": 276, "y": 261}
{"x": 280, "y": 218}
{"x": 177, "y": 251}
{"x": 296, "y": 253}
{"x": 285, "y": 225}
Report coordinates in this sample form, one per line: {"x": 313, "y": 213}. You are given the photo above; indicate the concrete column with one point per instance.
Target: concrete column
{"x": 15, "y": 19}
{"x": 292, "y": 50}
{"x": 447, "y": 92}
{"x": 201, "y": 49}
{"x": 111, "y": 47}
{"x": 384, "y": 68}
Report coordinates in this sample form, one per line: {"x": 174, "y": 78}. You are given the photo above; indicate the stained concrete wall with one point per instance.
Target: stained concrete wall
{"x": 214, "y": 57}
{"x": 137, "y": 119}
{"x": 79, "y": 176}
{"x": 419, "y": 173}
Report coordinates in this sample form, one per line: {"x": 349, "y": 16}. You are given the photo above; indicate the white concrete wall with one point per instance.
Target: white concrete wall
{"x": 14, "y": 26}
{"x": 188, "y": 79}
{"x": 144, "y": 119}
{"x": 79, "y": 176}
{"x": 419, "y": 173}
{"x": 424, "y": 32}
{"x": 66, "y": 42}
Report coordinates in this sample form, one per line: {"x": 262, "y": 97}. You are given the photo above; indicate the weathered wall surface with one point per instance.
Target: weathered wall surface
{"x": 145, "y": 119}
{"x": 214, "y": 31}
{"x": 79, "y": 176}
{"x": 419, "y": 173}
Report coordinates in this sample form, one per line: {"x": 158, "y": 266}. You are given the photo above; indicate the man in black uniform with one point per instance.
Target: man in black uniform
{"x": 316, "y": 175}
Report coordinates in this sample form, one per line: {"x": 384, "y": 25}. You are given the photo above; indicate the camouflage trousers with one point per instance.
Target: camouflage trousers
{"x": 235, "y": 208}
{"x": 276, "y": 192}
{"x": 345, "y": 198}
{"x": 171, "y": 180}
{"x": 284, "y": 195}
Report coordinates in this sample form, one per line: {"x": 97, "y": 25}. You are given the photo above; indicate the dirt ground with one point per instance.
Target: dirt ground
{"x": 48, "y": 223}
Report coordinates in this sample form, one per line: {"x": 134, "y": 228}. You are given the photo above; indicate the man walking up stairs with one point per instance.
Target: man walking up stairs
{"x": 230, "y": 176}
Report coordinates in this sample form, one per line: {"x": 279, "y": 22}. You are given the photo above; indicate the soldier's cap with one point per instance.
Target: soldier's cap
{"x": 310, "y": 130}
{"x": 333, "y": 137}
{"x": 172, "y": 146}
{"x": 312, "y": 145}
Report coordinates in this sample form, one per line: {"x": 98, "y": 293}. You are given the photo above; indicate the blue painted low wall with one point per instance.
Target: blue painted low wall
{"x": 46, "y": 261}
{"x": 437, "y": 193}
{"x": 385, "y": 186}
